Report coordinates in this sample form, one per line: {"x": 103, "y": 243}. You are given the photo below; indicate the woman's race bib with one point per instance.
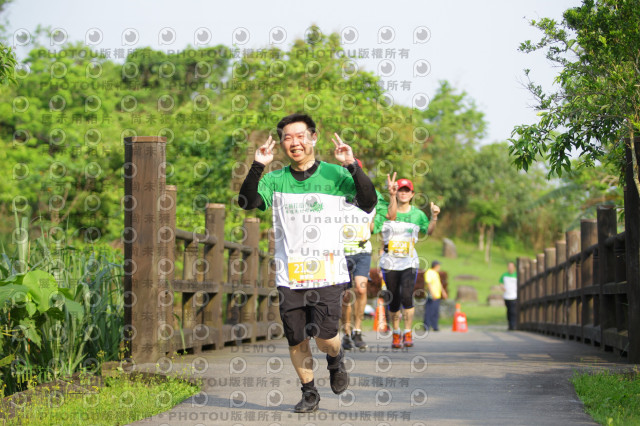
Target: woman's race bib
{"x": 400, "y": 248}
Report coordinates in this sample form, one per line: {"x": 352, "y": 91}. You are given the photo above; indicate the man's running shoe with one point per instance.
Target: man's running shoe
{"x": 347, "y": 343}
{"x": 338, "y": 375}
{"x": 309, "y": 402}
{"x": 356, "y": 336}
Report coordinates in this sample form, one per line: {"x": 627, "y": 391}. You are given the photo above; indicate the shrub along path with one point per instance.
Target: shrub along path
{"x": 485, "y": 376}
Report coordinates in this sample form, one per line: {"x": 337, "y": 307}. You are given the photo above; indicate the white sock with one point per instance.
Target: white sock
{"x": 396, "y": 331}
{"x": 407, "y": 330}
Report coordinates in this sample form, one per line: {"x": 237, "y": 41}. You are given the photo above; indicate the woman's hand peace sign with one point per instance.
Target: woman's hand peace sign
{"x": 392, "y": 184}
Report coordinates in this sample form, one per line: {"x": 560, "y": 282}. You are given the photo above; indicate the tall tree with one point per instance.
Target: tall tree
{"x": 595, "y": 102}
{"x": 455, "y": 128}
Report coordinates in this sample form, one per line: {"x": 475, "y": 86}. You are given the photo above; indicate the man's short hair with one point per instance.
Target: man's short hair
{"x": 294, "y": 118}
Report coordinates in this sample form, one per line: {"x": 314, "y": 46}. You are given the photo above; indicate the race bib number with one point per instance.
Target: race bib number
{"x": 400, "y": 248}
{"x": 307, "y": 270}
{"x": 353, "y": 234}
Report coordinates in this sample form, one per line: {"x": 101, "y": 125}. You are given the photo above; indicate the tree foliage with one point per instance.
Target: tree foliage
{"x": 479, "y": 188}
{"x": 595, "y": 101}
{"x": 62, "y": 126}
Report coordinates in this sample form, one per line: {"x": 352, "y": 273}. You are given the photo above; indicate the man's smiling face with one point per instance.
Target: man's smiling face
{"x": 297, "y": 142}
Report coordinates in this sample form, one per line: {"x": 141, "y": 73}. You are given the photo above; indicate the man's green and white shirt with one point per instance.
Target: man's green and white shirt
{"x": 510, "y": 282}
{"x": 308, "y": 219}
{"x": 357, "y": 235}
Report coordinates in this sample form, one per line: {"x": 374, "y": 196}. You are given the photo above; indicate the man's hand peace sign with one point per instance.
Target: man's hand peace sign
{"x": 343, "y": 152}
{"x": 264, "y": 154}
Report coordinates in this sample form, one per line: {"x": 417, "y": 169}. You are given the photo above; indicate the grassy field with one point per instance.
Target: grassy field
{"x": 470, "y": 262}
{"x": 610, "y": 398}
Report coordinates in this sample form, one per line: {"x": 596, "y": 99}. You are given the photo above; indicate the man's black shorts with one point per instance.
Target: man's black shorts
{"x": 312, "y": 312}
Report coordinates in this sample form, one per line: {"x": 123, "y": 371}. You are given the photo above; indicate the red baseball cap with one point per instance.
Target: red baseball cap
{"x": 405, "y": 182}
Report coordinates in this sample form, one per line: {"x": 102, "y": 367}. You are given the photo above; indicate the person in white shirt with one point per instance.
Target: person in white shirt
{"x": 509, "y": 285}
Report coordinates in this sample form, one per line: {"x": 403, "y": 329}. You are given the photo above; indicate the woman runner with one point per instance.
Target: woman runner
{"x": 400, "y": 226}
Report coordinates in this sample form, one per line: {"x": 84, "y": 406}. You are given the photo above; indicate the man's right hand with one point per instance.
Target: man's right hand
{"x": 264, "y": 154}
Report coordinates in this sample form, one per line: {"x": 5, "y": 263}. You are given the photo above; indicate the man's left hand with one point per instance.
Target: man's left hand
{"x": 343, "y": 152}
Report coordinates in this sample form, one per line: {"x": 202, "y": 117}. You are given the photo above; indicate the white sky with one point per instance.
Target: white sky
{"x": 473, "y": 44}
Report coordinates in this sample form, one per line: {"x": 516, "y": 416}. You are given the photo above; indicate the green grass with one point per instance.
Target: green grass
{"x": 120, "y": 400}
{"x": 477, "y": 314}
{"x": 610, "y": 398}
{"x": 470, "y": 261}
{"x": 481, "y": 314}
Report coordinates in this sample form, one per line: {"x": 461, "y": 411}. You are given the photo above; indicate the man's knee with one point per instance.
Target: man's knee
{"x": 348, "y": 297}
{"x": 302, "y": 346}
{"x": 360, "y": 286}
{"x": 326, "y": 344}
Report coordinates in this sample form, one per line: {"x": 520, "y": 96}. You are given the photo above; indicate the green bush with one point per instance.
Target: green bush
{"x": 61, "y": 308}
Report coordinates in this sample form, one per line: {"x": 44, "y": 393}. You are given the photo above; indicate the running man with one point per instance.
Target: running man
{"x": 357, "y": 248}
{"x": 399, "y": 262}
{"x": 308, "y": 197}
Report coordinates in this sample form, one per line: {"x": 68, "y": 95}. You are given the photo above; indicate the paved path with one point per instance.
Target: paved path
{"x": 485, "y": 376}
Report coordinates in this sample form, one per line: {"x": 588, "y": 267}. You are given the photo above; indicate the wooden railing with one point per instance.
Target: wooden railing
{"x": 587, "y": 287}
{"x": 227, "y": 290}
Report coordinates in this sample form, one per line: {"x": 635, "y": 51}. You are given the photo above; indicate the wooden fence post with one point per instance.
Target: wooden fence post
{"x": 166, "y": 328}
{"x": 549, "y": 262}
{"x": 189, "y": 299}
{"x": 263, "y": 297}
{"x": 214, "y": 257}
{"x": 574, "y": 308}
{"x": 273, "y": 311}
{"x": 143, "y": 187}
{"x": 632, "y": 244}
{"x": 533, "y": 291}
{"x": 607, "y": 227}
{"x": 588, "y": 237}
{"x": 250, "y": 277}
{"x": 540, "y": 285}
{"x": 236, "y": 266}
{"x": 560, "y": 288}
{"x": 521, "y": 297}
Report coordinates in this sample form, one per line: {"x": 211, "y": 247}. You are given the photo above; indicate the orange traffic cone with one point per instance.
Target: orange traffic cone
{"x": 459, "y": 320}
{"x": 380, "y": 318}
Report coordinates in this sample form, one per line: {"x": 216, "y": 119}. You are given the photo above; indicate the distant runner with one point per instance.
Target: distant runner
{"x": 357, "y": 248}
